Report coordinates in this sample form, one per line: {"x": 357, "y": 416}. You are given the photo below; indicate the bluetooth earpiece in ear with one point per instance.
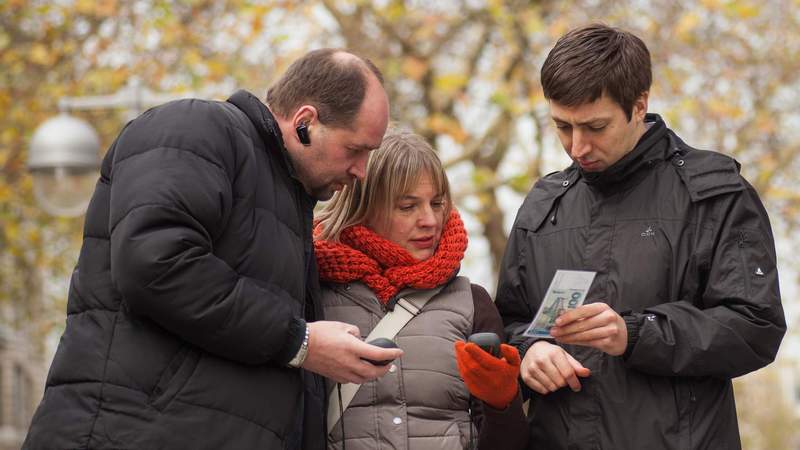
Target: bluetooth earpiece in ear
{"x": 302, "y": 134}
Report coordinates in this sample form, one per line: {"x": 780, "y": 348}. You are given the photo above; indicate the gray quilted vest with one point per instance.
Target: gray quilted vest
{"x": 422, "y": 403}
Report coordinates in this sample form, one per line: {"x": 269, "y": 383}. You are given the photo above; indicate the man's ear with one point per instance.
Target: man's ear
{"x": 302, "y": 121}
{"x": 304, "y": 114}
{"x": 640, "y": 106}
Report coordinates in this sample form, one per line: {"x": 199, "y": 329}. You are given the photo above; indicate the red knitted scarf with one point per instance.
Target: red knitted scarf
{"x": 385, "y": 266}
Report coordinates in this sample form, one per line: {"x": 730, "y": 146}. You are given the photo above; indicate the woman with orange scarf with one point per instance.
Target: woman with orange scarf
{"x": 394, "y": 235}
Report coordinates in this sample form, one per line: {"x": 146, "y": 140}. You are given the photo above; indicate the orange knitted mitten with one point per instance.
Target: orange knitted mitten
{"x": 493, "y": 380}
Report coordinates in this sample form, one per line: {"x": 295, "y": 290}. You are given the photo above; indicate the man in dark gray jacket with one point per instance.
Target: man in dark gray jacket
{"x": 686, "y": 293}
{"x": 193, "y": 308}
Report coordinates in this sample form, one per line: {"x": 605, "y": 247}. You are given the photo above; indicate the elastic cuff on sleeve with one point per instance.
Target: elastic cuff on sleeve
{"x": 296, "y": 331}
{"x": 632, "y": 323}
{"x": 524, "y": 346}
{"x": 491, "y": 411}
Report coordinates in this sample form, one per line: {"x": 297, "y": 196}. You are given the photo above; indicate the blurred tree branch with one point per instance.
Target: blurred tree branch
{"x": 478, "y": 44}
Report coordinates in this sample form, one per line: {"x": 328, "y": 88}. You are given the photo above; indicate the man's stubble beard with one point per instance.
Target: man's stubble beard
{"x": 322, "y": 194}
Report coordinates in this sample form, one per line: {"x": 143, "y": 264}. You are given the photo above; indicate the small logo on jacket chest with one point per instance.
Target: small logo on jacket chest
{"x": 648, "y": 232}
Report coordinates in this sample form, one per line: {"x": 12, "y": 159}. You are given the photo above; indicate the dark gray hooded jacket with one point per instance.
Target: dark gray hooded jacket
{"x": 682, "y": 247}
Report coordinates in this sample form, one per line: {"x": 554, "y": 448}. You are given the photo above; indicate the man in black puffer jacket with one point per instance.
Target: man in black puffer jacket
{"x": 686, "y": 293}
{"x": 192, "y": 309}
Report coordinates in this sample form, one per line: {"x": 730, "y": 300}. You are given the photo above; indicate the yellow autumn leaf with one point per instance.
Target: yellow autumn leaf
{"x": 780, "y": 193}
{"x": 34, "y": 236}
{"x": 447, "y": 125}
{"x": 40, "y": 55}
{"x": 520, "y": 183}
{"x": 69, "y": 47}
{"x": 686, "y": 25}
{"x": 192, "y": 57}
{"x": 217, "y": 69}
{"x": 395, "y": 11}
{"x": 533, "y": 23}
{"x": 12, "y": 231}
{"x": 502, "y": 99}
{"x": 5, "y": 98}
{"x": 5, "y": 193}
{"x": 414, "y": 68}
{"x": 450, "y": 82}
{"x": 106, "y": 8}
{"x": 688, "y": 105}
{"x": 764, "y": 123}
{"x": 537, "y": 96}
{"x": 8, "y": 135}
{"x": 720, "y": 107}
{"x": 85, "y": 7}
{"x": 482, "y": 176}
{"x": 170, "y": 36}
{"x": 711, "y": 4}
{"x": 256, "y": 10}
{"x": 743, "y": 10}
{"x": 558, "y": 27}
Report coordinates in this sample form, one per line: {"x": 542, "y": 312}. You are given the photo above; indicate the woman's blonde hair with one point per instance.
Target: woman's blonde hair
{"x": 393, "y": 170}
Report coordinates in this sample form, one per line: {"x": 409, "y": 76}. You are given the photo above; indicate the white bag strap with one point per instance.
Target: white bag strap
{"x": 405, "y": 309}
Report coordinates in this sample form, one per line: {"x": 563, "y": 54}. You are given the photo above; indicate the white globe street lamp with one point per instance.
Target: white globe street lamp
{"x": 64, "y": 160}
{"x": 64, "y": 153}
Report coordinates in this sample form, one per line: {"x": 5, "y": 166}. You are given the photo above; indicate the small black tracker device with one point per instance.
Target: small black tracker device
{"x": 302, "y": 134}
{"x": 489, "y": 342}
{"x": 383, "y": 343}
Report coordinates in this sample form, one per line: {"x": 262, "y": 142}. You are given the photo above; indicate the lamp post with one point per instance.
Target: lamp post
{"x": 64, "y": 153}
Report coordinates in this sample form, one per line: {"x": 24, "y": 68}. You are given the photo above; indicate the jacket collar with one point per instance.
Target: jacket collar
{"x": 265, "y": 124}
{"x": 632, "y": 167}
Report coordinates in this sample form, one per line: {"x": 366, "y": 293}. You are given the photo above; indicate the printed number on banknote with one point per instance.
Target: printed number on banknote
{"x": 567, "y": 291}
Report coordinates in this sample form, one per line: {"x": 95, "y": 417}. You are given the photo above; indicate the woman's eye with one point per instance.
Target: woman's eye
{"x": 437, "y": 205}
{"x": 406, "y": 207}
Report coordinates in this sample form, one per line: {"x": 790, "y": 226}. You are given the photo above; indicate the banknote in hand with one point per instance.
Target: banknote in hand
{"x": 567, "y": 291}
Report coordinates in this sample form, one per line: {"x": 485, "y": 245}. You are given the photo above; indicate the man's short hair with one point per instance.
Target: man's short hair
{"x": 596, "y": 59}
{"x": 333, "y": 84}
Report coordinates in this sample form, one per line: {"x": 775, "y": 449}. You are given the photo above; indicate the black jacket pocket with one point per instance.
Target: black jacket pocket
{"x": 174, "y": 377}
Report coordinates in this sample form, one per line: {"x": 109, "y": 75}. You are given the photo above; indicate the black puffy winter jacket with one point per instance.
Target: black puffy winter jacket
{"x": 683, "y": 249}
{"x": 189, "y": 295}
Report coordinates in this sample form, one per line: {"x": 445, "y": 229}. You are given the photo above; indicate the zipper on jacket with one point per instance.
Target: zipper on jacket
{"x": 692, "y": 406}
{"x": 554, "y": 214}
{"x": 742, "y": 244}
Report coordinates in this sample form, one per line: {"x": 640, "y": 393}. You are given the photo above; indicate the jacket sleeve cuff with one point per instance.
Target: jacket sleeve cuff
{"x": 294, "y": 339}
{"x": 490, "y": 412}
{"x": 632, "y": 323}
{"x": 522, "y": 348}
{"x": 507, "y": 426}
{"x": 525, "y": 345}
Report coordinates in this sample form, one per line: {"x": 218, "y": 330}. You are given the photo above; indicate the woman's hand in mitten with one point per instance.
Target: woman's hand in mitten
{"x": 493, "y": 380}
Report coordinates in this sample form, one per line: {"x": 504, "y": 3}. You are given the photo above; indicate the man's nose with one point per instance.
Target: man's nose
{"x": 580, "y": 145}
{"x": 359, "y": 168}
